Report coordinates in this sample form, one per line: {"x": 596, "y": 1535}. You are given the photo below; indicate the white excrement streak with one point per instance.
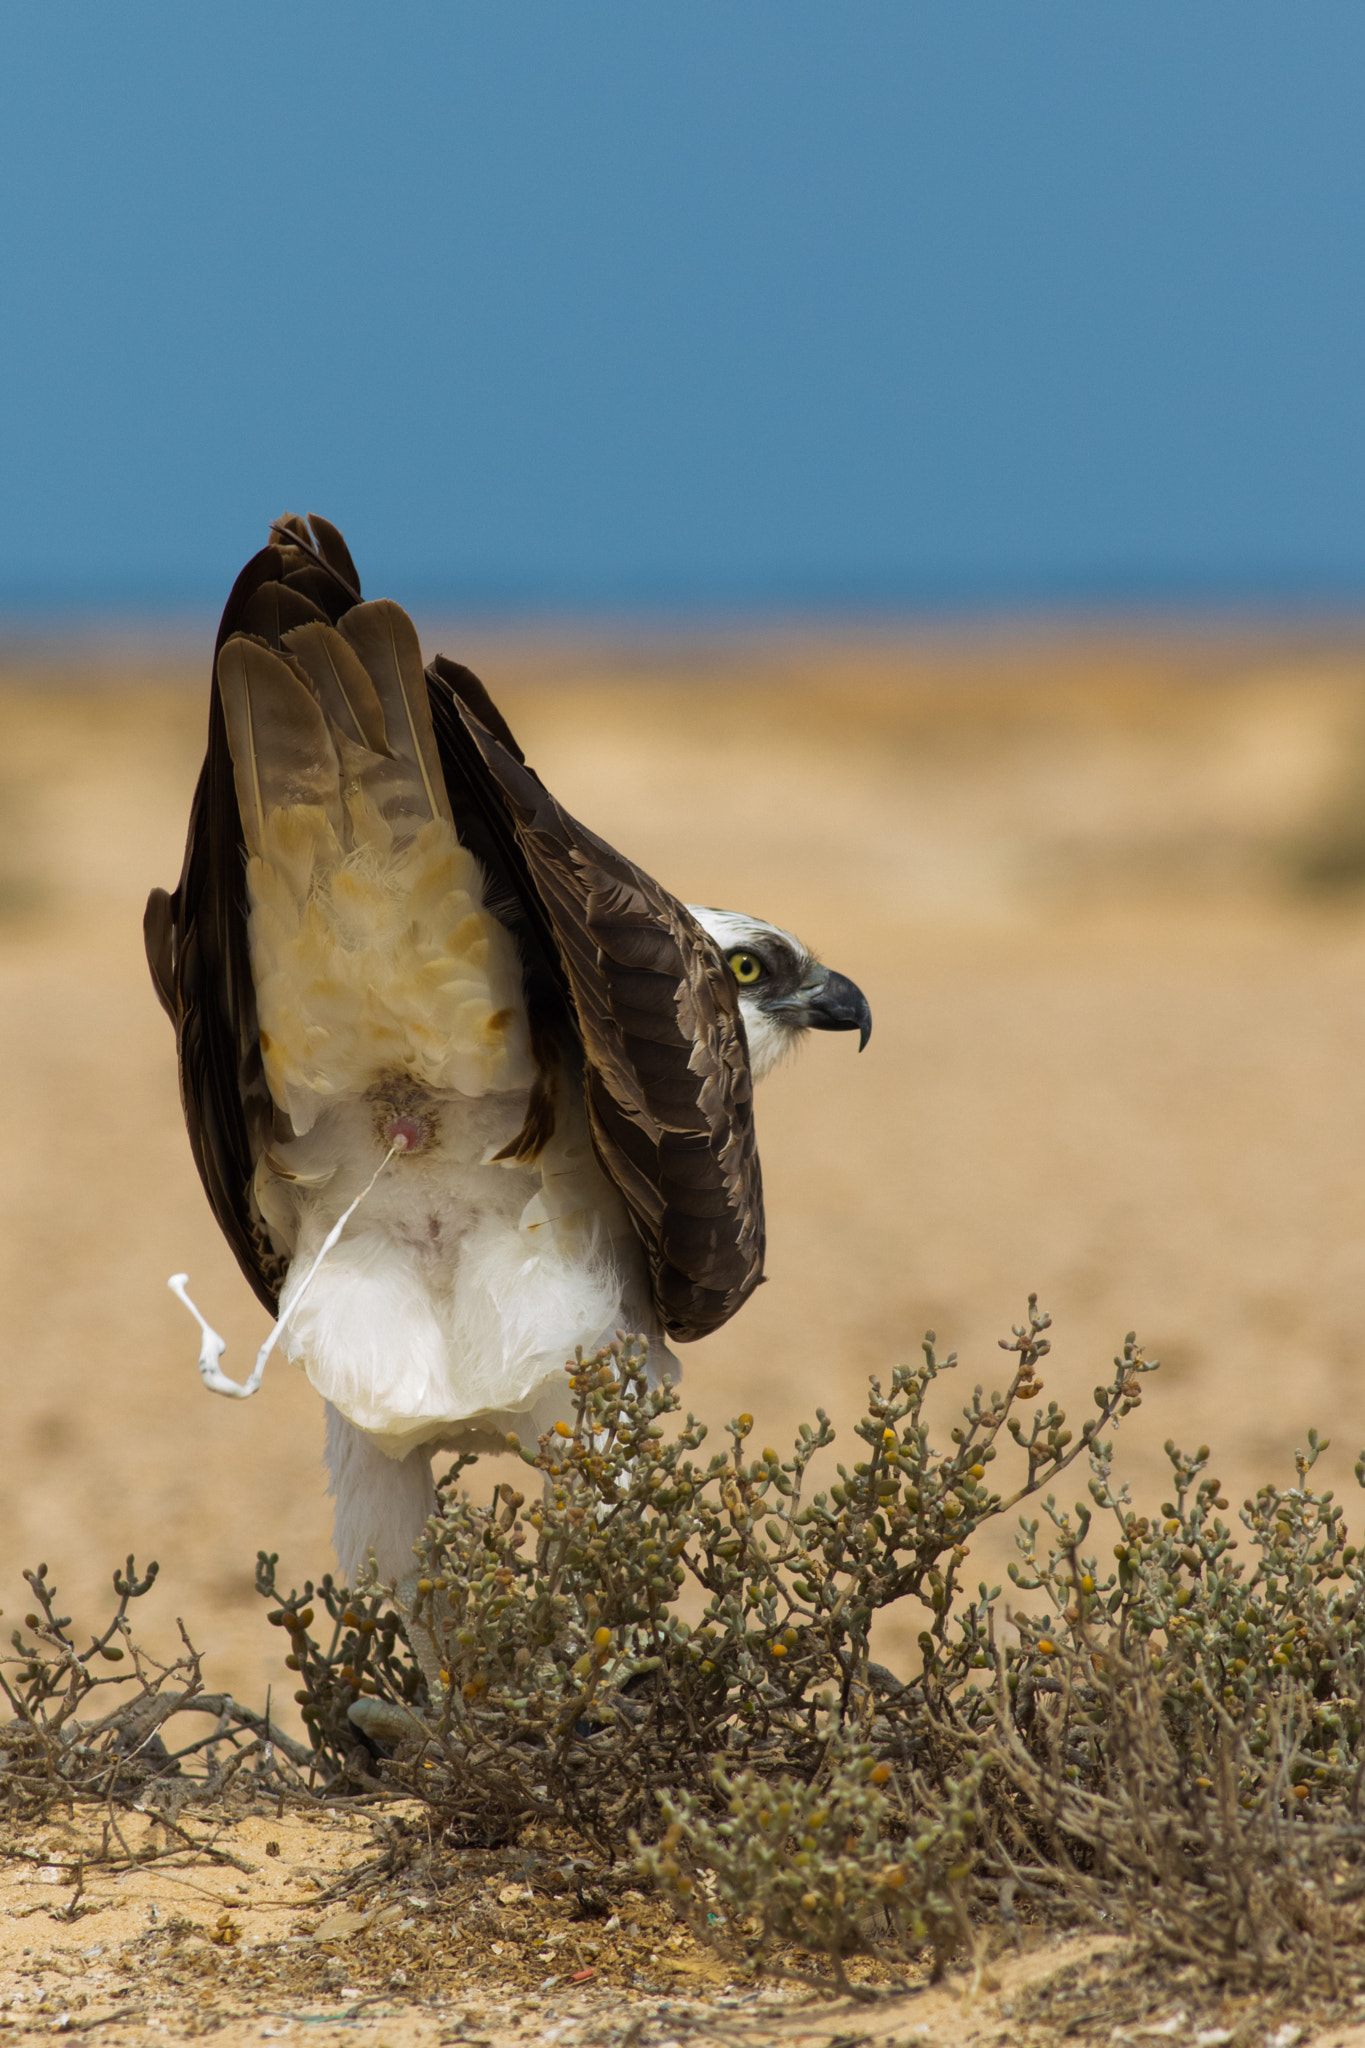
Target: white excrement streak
{"x": 213, "y": 1346}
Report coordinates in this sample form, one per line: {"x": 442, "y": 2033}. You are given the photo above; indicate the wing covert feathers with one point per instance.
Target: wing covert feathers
{"x": 666, "y": 1067}
{"x": 325, "y": 734}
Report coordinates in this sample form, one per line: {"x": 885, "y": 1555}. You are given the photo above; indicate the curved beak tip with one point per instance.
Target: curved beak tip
{"x": 841, "y": 1006}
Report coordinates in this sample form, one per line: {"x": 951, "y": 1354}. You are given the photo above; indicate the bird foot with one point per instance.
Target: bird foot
{"x": 387, "y": 1722}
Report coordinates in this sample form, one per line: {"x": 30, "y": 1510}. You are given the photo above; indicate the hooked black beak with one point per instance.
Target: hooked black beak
{"x": 839, "y": 1006}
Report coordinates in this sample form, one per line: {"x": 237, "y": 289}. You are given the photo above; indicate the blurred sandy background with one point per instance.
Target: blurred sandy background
{"x": 1102, "y": 892}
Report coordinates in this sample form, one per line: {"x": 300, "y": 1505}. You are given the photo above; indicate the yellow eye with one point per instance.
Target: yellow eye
{"x": 745, "y": 967}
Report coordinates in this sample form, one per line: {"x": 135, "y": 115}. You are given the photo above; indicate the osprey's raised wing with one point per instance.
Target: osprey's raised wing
{"x": 657, "y": 1016}
{"x": 197, "y": 938}
{"x": 622, "y": 985}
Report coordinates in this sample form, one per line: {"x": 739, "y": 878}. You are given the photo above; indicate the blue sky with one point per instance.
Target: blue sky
{"x": 738, "y": 303}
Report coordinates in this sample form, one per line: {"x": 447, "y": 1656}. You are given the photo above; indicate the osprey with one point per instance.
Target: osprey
{"x": 402, "y": 975}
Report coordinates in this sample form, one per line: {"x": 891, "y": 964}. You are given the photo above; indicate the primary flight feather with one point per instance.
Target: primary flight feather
{"x": 390, "y": 943}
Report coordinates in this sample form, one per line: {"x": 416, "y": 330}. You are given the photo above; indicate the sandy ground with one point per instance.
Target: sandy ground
{"x": 244, "y": 1951}
{"x": 257, "y": 1946}
{"x": 1117, "y": 1059}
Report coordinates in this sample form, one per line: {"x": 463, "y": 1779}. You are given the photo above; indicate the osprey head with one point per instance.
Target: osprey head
{"x": 783, "y": 989}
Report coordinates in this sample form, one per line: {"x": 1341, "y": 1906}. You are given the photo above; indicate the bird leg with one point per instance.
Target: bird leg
{"x": 390, "y": 1721}
{"x": 421, "y": 1640}
{"x": 382, "y": 1505}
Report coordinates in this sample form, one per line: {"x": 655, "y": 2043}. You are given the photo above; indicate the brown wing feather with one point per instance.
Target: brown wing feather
{"x": 197, "y": 936}
{"x": 333, "y": 555}
{"x": 666, "y": 1066}
{"x": 222, "y": 1086}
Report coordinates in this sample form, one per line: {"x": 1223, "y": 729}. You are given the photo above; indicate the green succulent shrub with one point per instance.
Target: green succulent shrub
{"x": 666, "y": 1651}
{"x": 1164, "y": 1734}
{"x": 89, "y": 1726}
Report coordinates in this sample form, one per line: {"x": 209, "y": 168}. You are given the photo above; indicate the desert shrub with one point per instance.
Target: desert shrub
{"x": 89, "y": 1726}
{"x": 1179, "y": 1743}
{"x": 572, "y": 1687}
{"x": 667, "y": 1653}
{"x": 1169, "y": 1741}
{"x": 825, "y": 1865}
